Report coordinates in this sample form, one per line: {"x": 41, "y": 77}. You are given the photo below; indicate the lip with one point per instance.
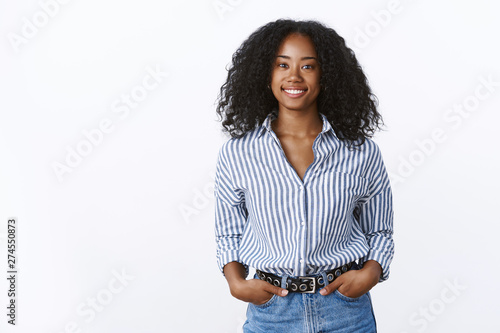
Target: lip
{"x": 294, "y": 95}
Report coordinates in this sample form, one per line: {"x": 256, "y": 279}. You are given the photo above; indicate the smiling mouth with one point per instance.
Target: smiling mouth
{"x": 294, "y": 91}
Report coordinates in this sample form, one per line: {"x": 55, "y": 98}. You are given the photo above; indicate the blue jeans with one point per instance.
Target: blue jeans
{"x": 312, "y": 313}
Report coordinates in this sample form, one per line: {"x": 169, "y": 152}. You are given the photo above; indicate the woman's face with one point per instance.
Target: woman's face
{"x": 295, "y": 74}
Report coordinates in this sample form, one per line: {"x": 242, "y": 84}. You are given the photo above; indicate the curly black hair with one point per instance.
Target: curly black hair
{"x": 345, "y": 98}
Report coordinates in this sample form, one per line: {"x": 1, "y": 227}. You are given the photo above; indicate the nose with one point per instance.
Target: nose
{"x": 294, "y": 74}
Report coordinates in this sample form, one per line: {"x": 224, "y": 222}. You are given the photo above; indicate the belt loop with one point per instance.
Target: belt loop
{"x": 283, "y": 281}
{"x": 325, "y": 278}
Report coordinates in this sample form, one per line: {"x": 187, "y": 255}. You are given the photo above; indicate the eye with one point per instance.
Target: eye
{"x": 307, "y": 66}
{"x": 282, "y": 65}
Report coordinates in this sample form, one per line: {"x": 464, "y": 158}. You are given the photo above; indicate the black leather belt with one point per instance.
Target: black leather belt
{"x": 305, "y": 284}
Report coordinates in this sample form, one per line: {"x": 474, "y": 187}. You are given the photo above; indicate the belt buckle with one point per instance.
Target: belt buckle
{"x": 313, "y": 279}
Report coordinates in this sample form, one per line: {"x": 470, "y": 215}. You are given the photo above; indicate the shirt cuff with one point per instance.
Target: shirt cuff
{"x": 384, "y": 263}
{"x": 226, "y": 257}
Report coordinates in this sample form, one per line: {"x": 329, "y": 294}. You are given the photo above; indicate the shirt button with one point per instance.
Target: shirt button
{"x": 301, "y": 261}
{"x": 301, "y": 187}
{"x": 303, "y": 223}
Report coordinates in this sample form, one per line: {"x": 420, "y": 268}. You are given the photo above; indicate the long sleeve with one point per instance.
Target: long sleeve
{"x": 230, "y": 213}
{"x": 375, "y": 215}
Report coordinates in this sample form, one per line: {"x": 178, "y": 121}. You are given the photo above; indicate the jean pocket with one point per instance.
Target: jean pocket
{"x": 347, "y": 298}
{"x": 267, "y": 303}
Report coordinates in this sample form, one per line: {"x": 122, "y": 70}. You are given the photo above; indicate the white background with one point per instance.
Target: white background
{"x": 140, "y": 203}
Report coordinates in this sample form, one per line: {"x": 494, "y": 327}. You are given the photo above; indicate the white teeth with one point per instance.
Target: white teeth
{"x": 294, "y": 91}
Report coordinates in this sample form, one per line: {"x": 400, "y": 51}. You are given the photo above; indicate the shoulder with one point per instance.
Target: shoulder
{"x": 236, "y": 145}
{"x": 374, "y": 166}
{"x": 233, "y": 147}
{"x": 366, "y": 150}
{"x": 364, "y": 158}
{"x": 371, "y": 148}
{"x": 372, "y": 153}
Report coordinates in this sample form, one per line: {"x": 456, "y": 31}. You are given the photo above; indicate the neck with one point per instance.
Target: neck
{"x": 297, "y": 123}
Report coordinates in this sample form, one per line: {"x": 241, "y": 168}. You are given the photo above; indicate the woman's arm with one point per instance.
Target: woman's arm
{"x": 374, "y": 214}
{"x": 355, "y": 283}
{"x": 254, "y": 290}
{"x": 230, "y": 219}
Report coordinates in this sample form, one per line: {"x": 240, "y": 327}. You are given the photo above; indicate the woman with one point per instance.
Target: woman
{"x": 301, "y": 191}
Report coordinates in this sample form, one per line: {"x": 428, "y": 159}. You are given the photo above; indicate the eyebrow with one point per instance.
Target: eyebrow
{"x": 303, "y": 58}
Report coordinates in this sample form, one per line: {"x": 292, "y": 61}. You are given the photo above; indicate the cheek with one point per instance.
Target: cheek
{"x": 275, "y": 78}
{"x": 317, "y": 84}
{"x": 275, "y": 85}
{"x": 275, "y": 93}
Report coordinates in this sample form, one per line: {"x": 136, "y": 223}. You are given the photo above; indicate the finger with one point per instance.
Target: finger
{"x": 276, "y": 290}
{"x": 331, "y": 287}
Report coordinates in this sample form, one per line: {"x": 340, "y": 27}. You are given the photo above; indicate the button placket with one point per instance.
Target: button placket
{"x": 302, "y": 195}
{"x": 303, "y": 233}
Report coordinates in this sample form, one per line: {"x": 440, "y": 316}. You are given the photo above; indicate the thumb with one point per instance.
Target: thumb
{"x": 277, "y": 290}
{"x": 330, "y": 288}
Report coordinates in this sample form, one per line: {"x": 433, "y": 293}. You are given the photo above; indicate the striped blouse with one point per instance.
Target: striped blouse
{"x": 266, "y": 217}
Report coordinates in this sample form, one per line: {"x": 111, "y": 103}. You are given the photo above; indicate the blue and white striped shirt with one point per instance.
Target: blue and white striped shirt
{"x": 266, "y": 217}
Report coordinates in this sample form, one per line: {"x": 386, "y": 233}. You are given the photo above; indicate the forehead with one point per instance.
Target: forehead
{"x": 296, "y": 44}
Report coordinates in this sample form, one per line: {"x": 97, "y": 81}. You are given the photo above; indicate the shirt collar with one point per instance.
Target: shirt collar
{"x": 266, "y": 125}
